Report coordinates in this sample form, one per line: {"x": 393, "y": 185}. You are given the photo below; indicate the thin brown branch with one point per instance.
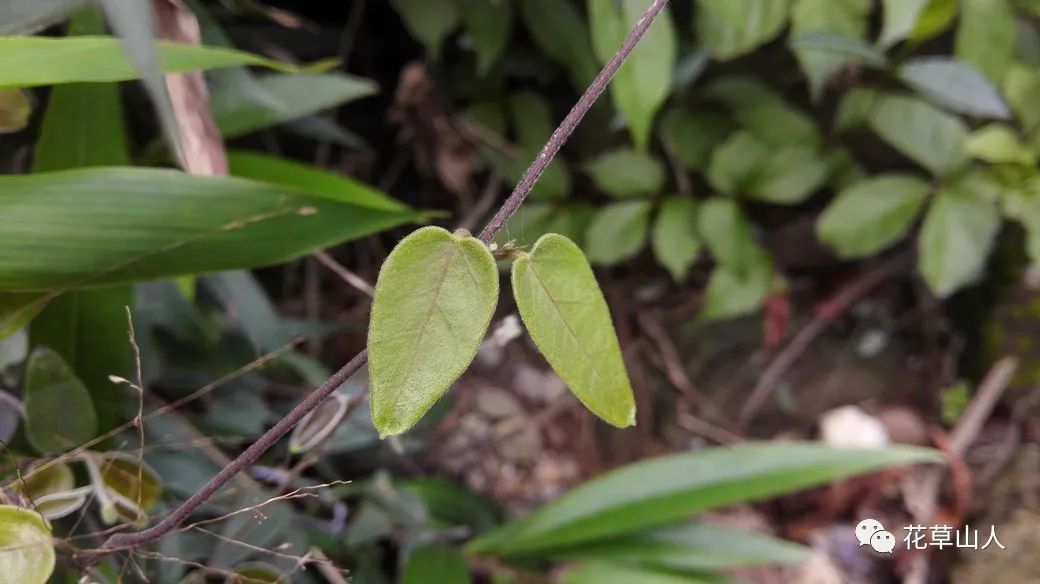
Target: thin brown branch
{"x": 132, "y": 541}
{"x": 352, "y": 279}
{"x": 841, "y": 303}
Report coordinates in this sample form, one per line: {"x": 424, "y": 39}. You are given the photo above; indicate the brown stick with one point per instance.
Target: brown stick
{"x": 268, "y": 439}
{"x": 767, "y": 383}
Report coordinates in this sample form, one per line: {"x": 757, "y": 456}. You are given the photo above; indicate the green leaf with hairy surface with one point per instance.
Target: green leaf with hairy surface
{"x": 985, "y": 39}
{"x": 788, "y": 176}
{"x": 489, "y": 24}
{"x": 568, "y": 319}
{"x": 925, "y": 134}
{"x": 693, "y": 134}
{"x": 871, "y": 215}
{"x": 626, "y": 173}
{"x": 955, "y": 86}
{"x": 34, "y": 61}
{"x": 728, "y": 234}
{"x": 674, "y": 239}
{"x": 617, "y": 232}
{"x": 52, "y": 391}
{"x": 603, "y": 571}
{"x": 434, "y": 299}
{"x": 74, "y": 229}
{"x": 731, "y": 28}
{"x": 955, "y": 240}
{"x": 734, "y": 163}
{"x": 435, "y": 563}
{"x": 559, "y": 30}
{"x": 644, "y": 80}
{"x": 665, "y": 489}
{"x": 842, "y": 19}
{"x": 730, "y": 294}
{"x": 999, "y": 144}
{"x": 286, "y": 96}
{"x": 26, "y": 551}
{"x": 688, "y": 548}
{"x": 429, "y": 22}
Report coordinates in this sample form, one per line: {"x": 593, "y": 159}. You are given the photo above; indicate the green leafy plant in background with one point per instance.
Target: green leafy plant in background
{"x": 965, "y": 120}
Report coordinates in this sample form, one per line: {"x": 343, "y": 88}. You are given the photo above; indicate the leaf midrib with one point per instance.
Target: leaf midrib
{"x": 434, "y": 305}
{"x": 566, "y": 324}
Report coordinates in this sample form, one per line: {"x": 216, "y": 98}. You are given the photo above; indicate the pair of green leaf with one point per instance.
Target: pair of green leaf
{"x": 434, "y": 300}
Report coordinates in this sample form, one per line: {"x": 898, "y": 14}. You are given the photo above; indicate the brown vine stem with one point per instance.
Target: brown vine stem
{"x": 127, "y": 541}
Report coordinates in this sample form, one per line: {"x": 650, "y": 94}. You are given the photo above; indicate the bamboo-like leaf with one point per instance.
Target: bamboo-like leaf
{"x": 33, "y": 61}
{"x": 435, "y": 563}
{"x": 88, "y": 328}
{"x": 52, "y": 392}
{"x": 26, "y": 551}
{"x": 565, "y": 312}
{"x": 434, "y": 299}
{"x": 663, "y": 490}
{"x": 287, "y": 96}
{"x": 92, "y": 227}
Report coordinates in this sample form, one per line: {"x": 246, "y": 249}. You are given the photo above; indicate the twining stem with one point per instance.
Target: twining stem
{"x": 125, "y": 541}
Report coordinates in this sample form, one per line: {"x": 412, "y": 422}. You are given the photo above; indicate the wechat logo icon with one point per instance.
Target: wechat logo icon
{"x": 871, "y": 532}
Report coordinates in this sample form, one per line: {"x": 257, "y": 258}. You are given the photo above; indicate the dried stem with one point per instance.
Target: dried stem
{"x": 130, "y": 541}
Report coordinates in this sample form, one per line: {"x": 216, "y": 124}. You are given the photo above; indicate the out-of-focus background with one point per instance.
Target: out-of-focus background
{"x": 816, "y": 224}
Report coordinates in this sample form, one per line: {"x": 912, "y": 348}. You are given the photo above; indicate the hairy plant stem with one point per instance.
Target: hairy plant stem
{"x": 129, "y": 541}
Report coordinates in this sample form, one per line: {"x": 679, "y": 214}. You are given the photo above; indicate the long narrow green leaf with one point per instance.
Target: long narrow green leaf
{"x": 434, "y": 299}
{"x": 33, "y": 61}
{"x": 279, "y": 171}
{"x": 75, "y": 229}
{"x": 286, "y": 97}
{"x": 135, "y": 25}
{"x": 692, "y": 548}
{"x": 83, "y": 127}
{"x": 669, "y": 488}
